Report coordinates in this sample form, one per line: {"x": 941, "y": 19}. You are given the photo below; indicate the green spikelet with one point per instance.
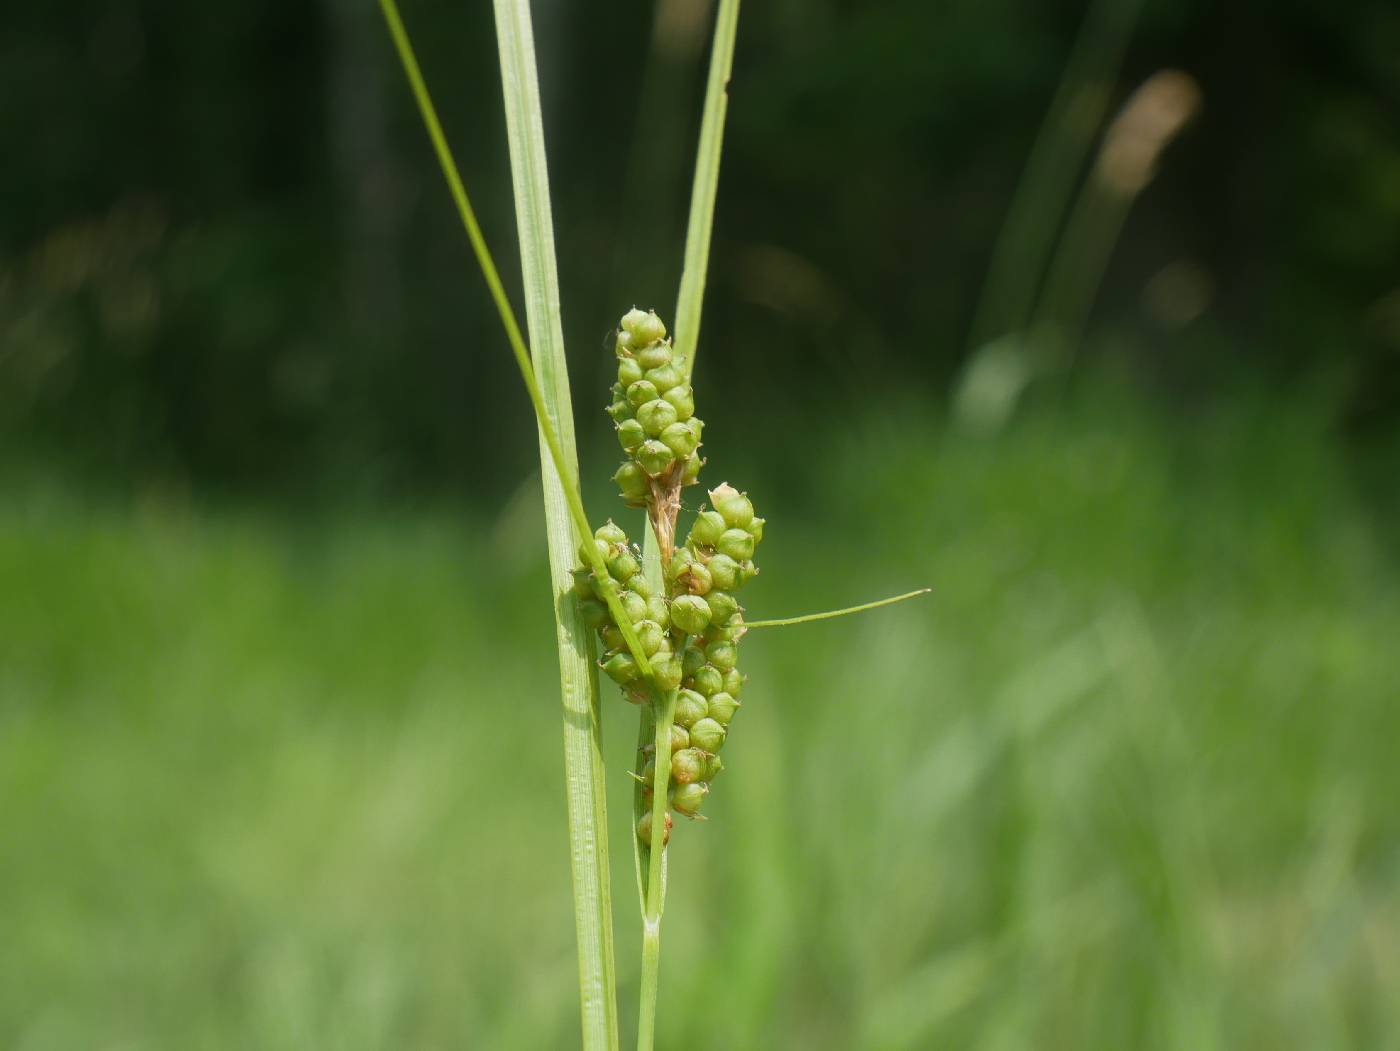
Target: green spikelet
{"x": 654, "y": 410}
{"x": 691, "y": 634}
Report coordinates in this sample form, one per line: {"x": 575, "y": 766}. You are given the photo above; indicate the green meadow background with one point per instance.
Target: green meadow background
{"x": 280, "y": 738}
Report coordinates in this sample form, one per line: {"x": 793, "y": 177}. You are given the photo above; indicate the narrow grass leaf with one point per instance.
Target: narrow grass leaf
{"x": 577, "y": 671}
{"x": 829, "y": 614}
{"x": 702, "y": 195}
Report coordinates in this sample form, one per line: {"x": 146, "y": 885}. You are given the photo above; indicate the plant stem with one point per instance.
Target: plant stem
{"x": 689, "y": 301}
{"x": 702, "y": 195}
{"x": 548, "y": 388}
{"x": 587, "y": 796}
{"x": 656, "y": 887}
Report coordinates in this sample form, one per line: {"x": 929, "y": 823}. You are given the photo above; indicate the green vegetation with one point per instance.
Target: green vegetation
{"x": 1126, "y": 779}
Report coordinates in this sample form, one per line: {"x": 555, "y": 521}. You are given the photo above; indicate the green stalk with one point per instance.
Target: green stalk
{"x": 582, "y": 723}
{"x": 656, "y": 884}
{"x": 702, "y": 194}
{"x": 547, "y": 385}
{"x": 651, "y": 877}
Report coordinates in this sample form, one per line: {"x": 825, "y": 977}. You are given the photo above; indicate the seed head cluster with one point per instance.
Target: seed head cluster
{"x": 690, "y": 633}
{"x": 654, "y": 409}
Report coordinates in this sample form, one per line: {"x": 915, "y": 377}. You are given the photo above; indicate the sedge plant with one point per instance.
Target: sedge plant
{"x": 666, "y": 614}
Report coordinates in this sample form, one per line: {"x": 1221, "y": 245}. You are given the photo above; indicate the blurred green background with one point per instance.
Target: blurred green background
{"x": 1110, "y": 359}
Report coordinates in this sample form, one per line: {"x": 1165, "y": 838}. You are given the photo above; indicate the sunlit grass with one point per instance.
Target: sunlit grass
{"x": 1126, "y": 779}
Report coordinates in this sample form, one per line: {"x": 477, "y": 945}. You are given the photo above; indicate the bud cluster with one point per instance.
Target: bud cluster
{"x": 654, "y": 409}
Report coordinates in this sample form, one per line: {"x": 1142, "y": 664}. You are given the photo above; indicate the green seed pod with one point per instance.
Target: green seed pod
{"x": 678, "y": 438}
{"x": 665, "y": 377}
{"x": 756, "y": 529}
{"x": 723, "y": 606}
{"x": 610, "y": 532}
{"x": 629, "y": 371}
{"x": 747, "y": 571}
{"x": 632, "y": 480}
{"x": 643, "y": 326}
{"x": 696, "y": 424}
{"x": 668, "y": 672}
{"x": 688, "y": 765}
{"x": 690, "y": 708}
{"x": 737, "y": 544}
{"x": 655, "y": 458}
{"x": 680, "y": 738}
{"x": 721, "y": 708}
{"x": 716, "y": 767}
{"x": 620, "y": 410}
{"x": 634, "y": 605}
{"x": 641, "y": 586}
{"x": 630, "y": 434}
{"x": 736, "y": 627}
{"x": 690, "y": 614}
{"x": 644, "y": 829}
{"x": 629, "y": 323}
{"x": 692, "y": 468}
{"x": 612, "y": 637}
{"x": 707, "y": 529}
{"x": 723, "y": 654}
{"x": 583, "y": 582}
{"x": 724, "y": 572}
{"x": 680, "y": 563}
{"x": 707, "y": 735}
{"x": 654, "y": 356}
{"x": 648, "y": 774}
{"x": 636, "y": 693}
{"x": 659, "y": 610}
{"x": 621, "y": 668}
{"x": 692, "y": 659}
{"x": 655, "y": 416}
{"x": 731, "y": 503}
{"x": 650, "y": 635}
{"x": 733, "y": 682}
{"x": 730, "y": 631}
{"x": 622, "y": 343}
{"x": 641, "y": 392}
{"x": 622, "y": 565}
{"x": 592, "y": 544}
{"x": 595, "y": 614}
{"x": 683, "y": 398}
{"x": 708, "y": 681}
{"x": 687, "y": 799}
{"x": 696, "y": 579}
